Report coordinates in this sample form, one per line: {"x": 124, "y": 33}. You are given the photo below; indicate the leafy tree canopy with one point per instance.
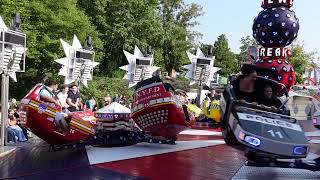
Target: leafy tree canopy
{"x": 300, "y": 60}
{"x": 245, "y": 43}
{"x": 45, "y": 22}
{"x": 224, "y": 57}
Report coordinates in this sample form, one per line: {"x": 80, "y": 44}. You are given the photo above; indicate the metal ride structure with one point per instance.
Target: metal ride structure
{"x": 201, "y": 70}
{"x": 155, "y": 109}
{"x": 272, "y": 138}
{"x": 12, "y": 60}
{"x": 47, "y": 120}
{"x": 275, "y": 28}
{"x": 80, "y": 128}
{"x": 79, "y": 62}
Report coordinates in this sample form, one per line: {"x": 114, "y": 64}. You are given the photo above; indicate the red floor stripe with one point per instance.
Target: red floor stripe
{"x": 218, "y": 162}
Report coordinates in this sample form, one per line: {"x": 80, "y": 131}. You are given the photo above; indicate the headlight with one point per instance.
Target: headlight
{"x": 300, "y": 150}
{"x": 253, "y": 140}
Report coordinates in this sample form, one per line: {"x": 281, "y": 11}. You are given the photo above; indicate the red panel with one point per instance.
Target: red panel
{"x": 218, "y": 162}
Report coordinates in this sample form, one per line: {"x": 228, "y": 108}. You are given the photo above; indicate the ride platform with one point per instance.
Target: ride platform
{"x": 198, "y": 154}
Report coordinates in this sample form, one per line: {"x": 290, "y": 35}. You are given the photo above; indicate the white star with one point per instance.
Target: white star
{"x": 67, "y": 63}
{"x": 132, "y": 74}
{"x": 192, "y": 68}
{"x": 2, "y": 24}
{"x": 12, "y": 54}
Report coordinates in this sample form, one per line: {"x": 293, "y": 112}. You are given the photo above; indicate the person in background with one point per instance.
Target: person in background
{"x": 62, "y": 96}
{"x": 91, "y": 103}
{"x": 107, "y": 100}
{"x": 206, "y": 101}
{"x": 13, "y": 104}
{"x": 73, "y": 98}
{"x": 244, "y": 85}
{"x": 19, "y": 115}
{"x": 116, "y": 98}
{"x": 121, "y": 100}
{"x": 13, "y": 127}
{"x": 124, "y": 98}
{"x": 268, "y": 98}
{"x": 47, "y": 93}
{"x": 11, "y": 136}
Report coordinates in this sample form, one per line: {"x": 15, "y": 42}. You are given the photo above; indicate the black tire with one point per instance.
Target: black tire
{"x": 229, "y": 137}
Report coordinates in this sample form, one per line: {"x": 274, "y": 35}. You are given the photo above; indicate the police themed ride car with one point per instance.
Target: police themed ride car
{"x": 259, "y": 128}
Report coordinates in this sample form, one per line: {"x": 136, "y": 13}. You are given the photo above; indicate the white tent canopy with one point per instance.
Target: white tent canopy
{"x": 114, "y": 108}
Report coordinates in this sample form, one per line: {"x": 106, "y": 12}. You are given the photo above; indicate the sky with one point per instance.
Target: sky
{"x": 235, "y": 19}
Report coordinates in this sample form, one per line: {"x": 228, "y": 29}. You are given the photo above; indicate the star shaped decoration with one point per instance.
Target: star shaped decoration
{"x": 194, "y": 68}
{"x": 13, "y": 55}
{"x": 83, "y": 68}
{"x": 134, "y": 72}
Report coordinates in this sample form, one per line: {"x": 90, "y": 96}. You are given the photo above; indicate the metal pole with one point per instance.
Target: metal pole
{"x": 200, "y": 89}
{"x": 7, "y": 104}
{"x": 199, "y": 94}
{"x": 4, "y": 108}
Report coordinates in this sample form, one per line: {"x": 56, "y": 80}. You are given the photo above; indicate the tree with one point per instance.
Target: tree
{"x": 300, "y": 60}
{"x": 122, "y": 25}
{"x": 45, "y": 22}
{"x": 245, "y": 42}
{"x": 176, "y": 19}
{"x": 102, "y": 86}
{"x": 224, "y": 58}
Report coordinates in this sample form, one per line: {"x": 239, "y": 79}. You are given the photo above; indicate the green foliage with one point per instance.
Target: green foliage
{"x": 245, "y": 42}
{"x": 181, "y": 83}
{"x": 162, "y": 24}
{"x": 122, "y": 25}
{"x": 102, "y": 86}
{"x": 115, "y": 25}
{"x": 45, "y": 22}
{"x": 176, "y": 17}
{"x": 225, "y": 58}
{"x": 300, "y": 61}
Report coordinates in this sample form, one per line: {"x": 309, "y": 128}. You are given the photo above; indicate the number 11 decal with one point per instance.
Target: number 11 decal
{"x": 275, "y": 134}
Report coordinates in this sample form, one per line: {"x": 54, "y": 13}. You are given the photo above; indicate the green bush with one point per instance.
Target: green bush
{"x": 101, "y": 86}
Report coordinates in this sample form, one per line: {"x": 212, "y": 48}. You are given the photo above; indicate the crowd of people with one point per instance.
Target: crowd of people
{"x": 68, "y": 97}
{"x": 15, "y": 131}
{"x": 121, "y": 99}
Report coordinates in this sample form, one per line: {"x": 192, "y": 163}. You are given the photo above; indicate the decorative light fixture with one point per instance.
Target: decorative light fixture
{"x": 140, "y": 66}
{"x": 201, "y": 68}
{"x": 12, "y": 60}
{"x": 79, "y": 62}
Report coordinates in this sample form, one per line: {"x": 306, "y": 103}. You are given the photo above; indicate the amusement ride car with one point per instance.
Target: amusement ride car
{"x": 157, "y": 111}
{"x": 47, "y": 121}
{"x": 268, "y": 135}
